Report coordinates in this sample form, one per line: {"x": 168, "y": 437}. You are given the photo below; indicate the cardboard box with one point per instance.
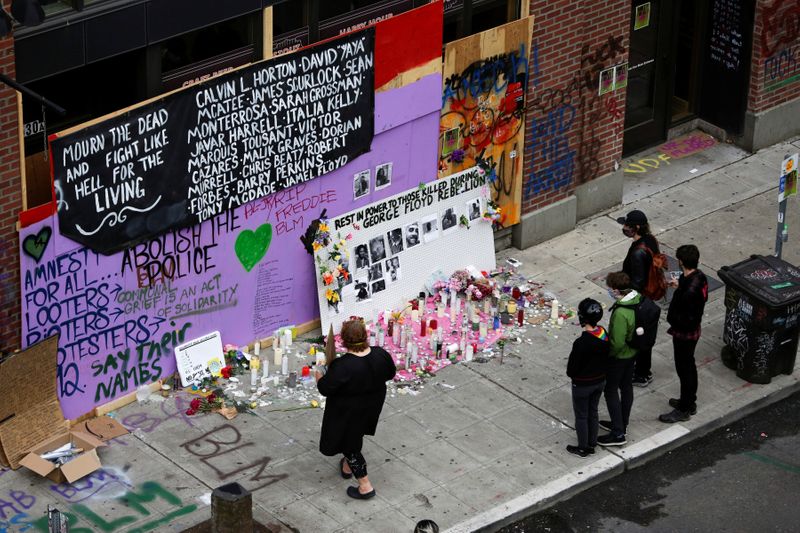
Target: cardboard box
{"x": 81, "y": 465}
{"x": 31, "y": 421}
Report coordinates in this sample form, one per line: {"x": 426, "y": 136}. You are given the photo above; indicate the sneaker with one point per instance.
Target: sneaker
{"x": 606, "y": 424}
{"x": 642, "y": 381}
{"x": 675, "y": 404}
{"x": 611, "y": 440}
{"x": 577, "y": 450}
{"x": 674, "y": 416}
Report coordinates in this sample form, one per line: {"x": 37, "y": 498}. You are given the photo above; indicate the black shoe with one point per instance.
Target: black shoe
{"x": 590, "y": 449}
{"x": 674, "y": 416}
{"x": 353, "y": 492}
{"x": 344, "y": 474}
{"x": 611, "y": 440}
{"x": 642, "y": 381}
{"x": 577, "y": 450}
{"x": 676, "y": 403}
{"x": 606, "y": 424}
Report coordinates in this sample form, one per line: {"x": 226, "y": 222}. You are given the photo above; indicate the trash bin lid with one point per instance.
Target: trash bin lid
{"x": 769, "y": 279}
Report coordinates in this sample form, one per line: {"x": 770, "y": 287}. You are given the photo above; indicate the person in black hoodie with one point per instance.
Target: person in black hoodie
{"x": 684, "y": 316}
{"x": 637, "y": 266}
{"x": 587, "y": 368}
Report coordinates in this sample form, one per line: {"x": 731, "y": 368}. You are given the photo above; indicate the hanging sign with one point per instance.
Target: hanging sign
{"x": 217, "y": 145}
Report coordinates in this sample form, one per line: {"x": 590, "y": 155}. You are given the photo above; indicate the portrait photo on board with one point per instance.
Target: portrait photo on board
{"x": 362, "y": 290}
{"x": 430, "y": 227}
{"x": 361, "y": 184}
{"x": 377, "y": 249}
{"x": 449, "y": 220}
{"x": 378, "y": 286}
{"x": 474, "y": 209}
{"x": 393, "y": 269}
{"x": 411, "y": 232}
{"x": 395, "y": 238}
{"x": 376, "y": 271}
{"x": 383, "y": 176}
{"x": 362, "y": 257}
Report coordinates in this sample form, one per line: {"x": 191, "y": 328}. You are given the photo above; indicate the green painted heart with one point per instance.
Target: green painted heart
{"x": 35, "y": 245}
{"x": 252, "y": 245}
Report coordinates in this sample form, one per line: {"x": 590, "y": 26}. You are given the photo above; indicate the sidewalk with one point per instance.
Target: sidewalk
{"x": 482, "y": 443}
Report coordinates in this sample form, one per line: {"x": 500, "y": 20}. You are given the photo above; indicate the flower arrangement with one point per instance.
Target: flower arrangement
{"x": 463, "y": 221}
{"x": 459, "y": 281}
{"x": 458, "y": 155}
{"x": 333, "y": 266}
{"x": 493, "y": 214}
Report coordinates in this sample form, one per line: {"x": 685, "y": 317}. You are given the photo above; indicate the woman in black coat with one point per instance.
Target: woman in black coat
{"x": 355, "y": 385}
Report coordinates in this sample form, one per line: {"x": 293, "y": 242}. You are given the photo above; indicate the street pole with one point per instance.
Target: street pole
{"x": 786, "y": 188}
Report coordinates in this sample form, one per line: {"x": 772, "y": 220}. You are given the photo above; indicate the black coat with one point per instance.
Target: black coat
{"x": 588, "y": 359}
{"x": 688, "y": 302}
{"x": 356, "y": 389}
{"x": 637, "y": 262}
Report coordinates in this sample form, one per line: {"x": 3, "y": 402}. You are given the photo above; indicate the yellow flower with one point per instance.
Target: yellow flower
{"x": 317, "y": 246}
{"x": 314, "y": 403}
{"x": 329, "y": 295}
{"x": 323, "y": 228}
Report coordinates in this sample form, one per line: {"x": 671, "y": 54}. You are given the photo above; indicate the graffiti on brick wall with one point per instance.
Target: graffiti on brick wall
{"x": 564, "y": 145}
{"x": 782, "y": 68}
{"x": 483, "y": 114}
{"x": 781, "y": 26}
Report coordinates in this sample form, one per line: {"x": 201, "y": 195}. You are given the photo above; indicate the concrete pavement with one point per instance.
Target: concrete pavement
{"x": 482, "y": 443}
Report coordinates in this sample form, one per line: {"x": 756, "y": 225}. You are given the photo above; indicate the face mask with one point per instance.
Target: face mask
{"x": 628, "y": 232}
{"x": 613, "y": 294}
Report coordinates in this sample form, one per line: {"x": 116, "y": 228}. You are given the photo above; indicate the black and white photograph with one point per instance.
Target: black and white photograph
{"x": 362, "y": 257}
{"x": 376, "y": 271}
{"x": 361, "y": 184}
{"x": 430, "y": 227}
{"x": 383, "y": 176}
{"x": 474, "y": 209}
{"x": 395, "y": 238}
{"x": 362, "y": 290}
{"x": 393, "y": 269}
{"x": 377, "y": 249}
{"x": 412, "y": 235}
{"x": 378, "y": 286}
{"x": 449, "y": 220}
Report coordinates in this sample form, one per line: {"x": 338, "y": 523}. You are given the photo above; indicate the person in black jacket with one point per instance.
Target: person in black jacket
{"x": 355, "y": 385}
{"x": 637, "y": 266}
{"x": 684, "y": 317}
{"x": 587, "y": 368}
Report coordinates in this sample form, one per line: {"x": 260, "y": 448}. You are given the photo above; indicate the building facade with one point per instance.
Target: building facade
{"x": 603, "y": 80}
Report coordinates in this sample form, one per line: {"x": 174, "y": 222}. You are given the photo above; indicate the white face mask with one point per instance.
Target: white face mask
{"x": 614, "y": 294}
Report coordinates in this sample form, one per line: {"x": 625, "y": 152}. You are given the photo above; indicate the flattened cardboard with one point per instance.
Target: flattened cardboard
{"x": 30, "y": 409}
{"x": 104, "y": 428}
{"x": 82, "y": 465}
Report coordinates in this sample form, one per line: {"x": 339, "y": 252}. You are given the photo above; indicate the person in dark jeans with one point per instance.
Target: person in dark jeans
{"x": 619, "y": 374}
{"x": 637, "y": 266}
{"x": 684, "y": 316}
{"x": 587, "y": 368}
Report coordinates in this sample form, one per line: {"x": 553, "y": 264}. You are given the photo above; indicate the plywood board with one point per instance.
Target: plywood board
{"x": 483, "y": 113}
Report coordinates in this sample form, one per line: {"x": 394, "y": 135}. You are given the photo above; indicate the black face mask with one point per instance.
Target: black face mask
{"x": 628, "y": 231}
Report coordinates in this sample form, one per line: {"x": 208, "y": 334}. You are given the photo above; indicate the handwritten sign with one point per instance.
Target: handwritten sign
{"x": 217, "y": 145}
{"x": 192, "y": 358}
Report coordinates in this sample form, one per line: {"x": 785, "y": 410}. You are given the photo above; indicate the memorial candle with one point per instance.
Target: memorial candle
{"x": 276, "y": 360}
{"x": 423, "y": 326}
{"x": 554, "y": 309}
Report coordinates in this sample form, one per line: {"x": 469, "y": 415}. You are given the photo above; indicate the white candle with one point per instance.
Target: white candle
{"x": 469, "y": 353}
{"x": 554, "y": 309}
{"x": 265, "y": 365}
{"x": 285, "y": 365}
{"x": 288, "y": 334}
{"x": 278, "y": 357}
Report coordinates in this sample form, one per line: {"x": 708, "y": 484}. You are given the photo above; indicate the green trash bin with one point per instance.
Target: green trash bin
{"x": 762, "y": 308}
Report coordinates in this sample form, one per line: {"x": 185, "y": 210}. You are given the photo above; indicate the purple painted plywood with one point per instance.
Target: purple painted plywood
{"x": 244, "y": 273}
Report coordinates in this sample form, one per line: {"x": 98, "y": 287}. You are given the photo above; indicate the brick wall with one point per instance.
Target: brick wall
{"x": 573, "y": 134}
{"x": 10, "y": 203}
{"x": 775, "y": 75}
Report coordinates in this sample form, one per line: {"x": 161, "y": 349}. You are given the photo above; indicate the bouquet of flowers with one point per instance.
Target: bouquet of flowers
{"x": 333, "y": 262}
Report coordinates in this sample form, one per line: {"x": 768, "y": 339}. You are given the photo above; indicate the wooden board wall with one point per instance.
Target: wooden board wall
{"x": 483, "y": 109}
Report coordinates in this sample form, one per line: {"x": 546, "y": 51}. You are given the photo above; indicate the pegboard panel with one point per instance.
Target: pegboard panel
{"x": 433, "y": 238}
